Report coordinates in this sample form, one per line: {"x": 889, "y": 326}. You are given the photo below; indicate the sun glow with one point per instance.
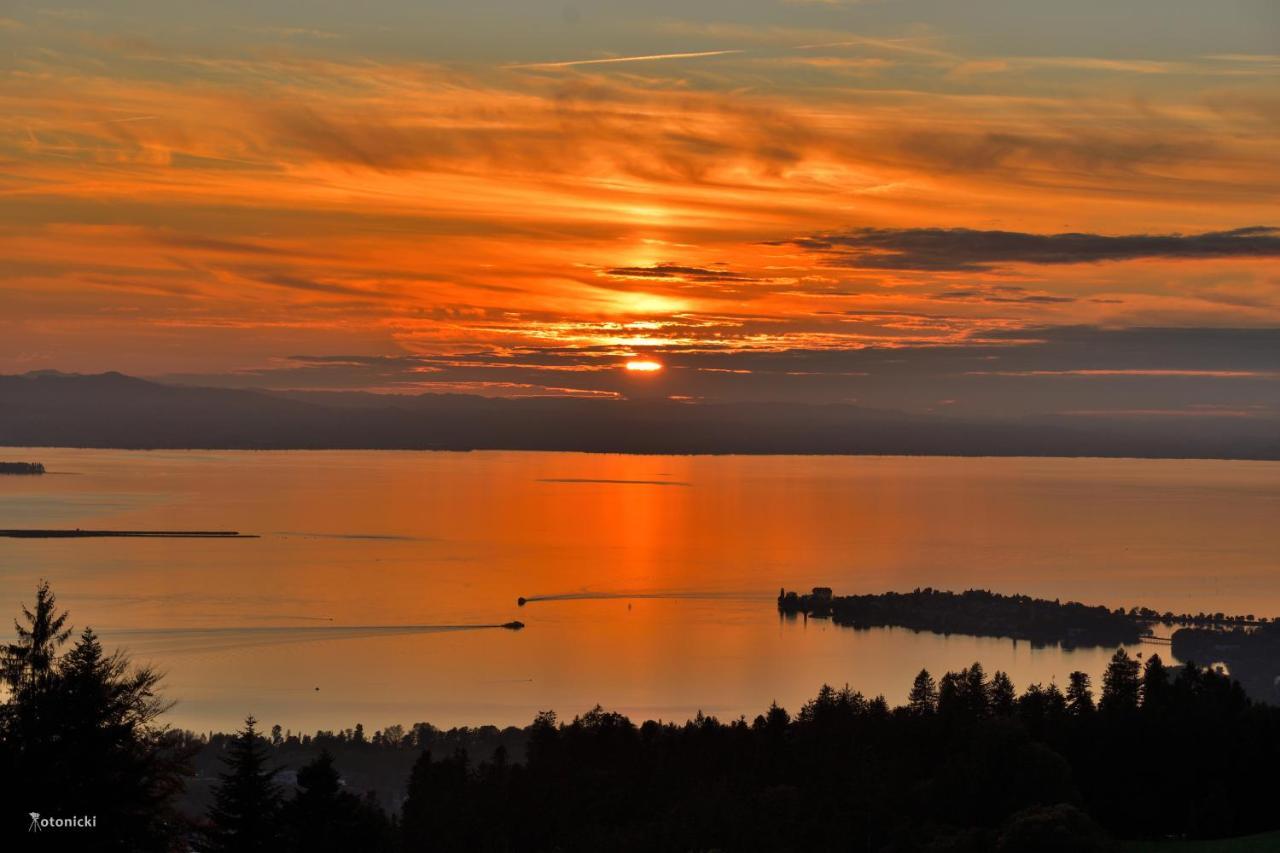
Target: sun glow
{"x": 644, "y": 366}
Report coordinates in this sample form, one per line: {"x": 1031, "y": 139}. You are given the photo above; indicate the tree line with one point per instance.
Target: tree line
{"x": 968, "y": 763}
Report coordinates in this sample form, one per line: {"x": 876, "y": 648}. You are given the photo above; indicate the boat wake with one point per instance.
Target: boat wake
{"x": 199, "y": 640}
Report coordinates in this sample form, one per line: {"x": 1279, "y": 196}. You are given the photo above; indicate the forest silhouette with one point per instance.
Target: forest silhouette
{"x": 966, "y": 764}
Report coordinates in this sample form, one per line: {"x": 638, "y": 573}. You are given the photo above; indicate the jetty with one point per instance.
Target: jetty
{"x": 29, "y": 533}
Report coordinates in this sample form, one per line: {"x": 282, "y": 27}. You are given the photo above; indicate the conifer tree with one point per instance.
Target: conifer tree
{"x": 325, "y": 818}
{"x": 1120, "y": 686}
{"x": 1155, "y": 685}
{"x": 81, "y": 733}
{"x": 29, "y": 661}
{"x": 923, "y": 699}
{"x": 1003, "y": 696}
{"x": 246, "y": 805}
{"x": 1079, "y": 694}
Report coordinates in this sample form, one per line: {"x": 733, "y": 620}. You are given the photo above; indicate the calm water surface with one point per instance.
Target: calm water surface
{"x": 359, "y": 602}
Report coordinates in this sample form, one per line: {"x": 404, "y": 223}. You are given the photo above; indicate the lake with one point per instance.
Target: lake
{"x": 362, "y": 598}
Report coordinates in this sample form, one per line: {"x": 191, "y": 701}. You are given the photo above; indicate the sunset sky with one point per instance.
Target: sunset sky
{"x": 915, "y": 203}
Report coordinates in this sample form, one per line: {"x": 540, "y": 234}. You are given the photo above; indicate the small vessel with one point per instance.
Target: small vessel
{"x": 513, "y": 626}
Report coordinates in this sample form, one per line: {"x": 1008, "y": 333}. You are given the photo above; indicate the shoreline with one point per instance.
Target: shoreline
{"x": 642, "y": 453}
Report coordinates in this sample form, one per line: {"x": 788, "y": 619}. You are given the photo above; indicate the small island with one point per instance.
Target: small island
{"x": 977, "y": 612}
{"x": 22, "y": 468}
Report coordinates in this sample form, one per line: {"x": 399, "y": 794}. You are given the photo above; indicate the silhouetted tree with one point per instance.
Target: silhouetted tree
{"x": 1003, "y": 695}
{"x": 29, "y": 661}
{"x": 435, "y": 813}
{"x": 123, "y": 765}
{"x": 1055, "y": 705}
{"x": 975, "y": 690}
{"x": 1079, "y": 694}
{"x": 950, "y": 695}
{"x": 80, "y": 734}
{"x": 776, "y": 719}
{"x": 1155, "y": 685}
{"x": 1060, "y": 828}
{"x": 324, "y": 818}
{"x": 29, "y": 675}
{"x": 245, "y": 817}
{"x": 923, "y": 699}
{"x": 964, "y": 693}
{"x": 1120, "y": 686}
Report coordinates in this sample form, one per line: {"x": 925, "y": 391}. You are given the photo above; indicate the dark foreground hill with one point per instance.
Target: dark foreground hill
{"x": 112, "y": 410}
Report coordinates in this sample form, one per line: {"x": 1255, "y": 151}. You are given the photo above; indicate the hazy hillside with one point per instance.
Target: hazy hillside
{"x": 112, "y": 410}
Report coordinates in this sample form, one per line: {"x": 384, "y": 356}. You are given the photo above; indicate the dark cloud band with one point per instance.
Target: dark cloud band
{"x": 964, "y": 249}
{"x": 680, "y": 273}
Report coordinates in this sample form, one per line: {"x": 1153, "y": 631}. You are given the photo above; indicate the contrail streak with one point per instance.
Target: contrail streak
{"x": 647, "y": 58}
{"x": 605, "y": 596}
{"x": 613, "y": 482}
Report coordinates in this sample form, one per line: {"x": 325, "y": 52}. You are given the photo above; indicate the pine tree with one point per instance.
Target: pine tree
{"x": 29, "y": 661}
{"x": 1079, "y": 695}
{"x": 1003, "y": 696}
{"x": 974, "y": 690}
{"x": 81, "y": 732}
{"x": 1055, "y": 704}
{"x": 950, "y": 695}
{"x": 1155, "y": 685}
{"x": 436, "y": 812}
{"x": 1120, "y": 687}
{"x": 923, "y": 699}
{"x": 107, "y": 733}
{"x": 324, "y": 818}
{"x": 29, "y": 674}
{"x": 246, "y": 805}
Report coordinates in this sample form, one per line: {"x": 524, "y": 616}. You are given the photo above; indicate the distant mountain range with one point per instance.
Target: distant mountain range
{"x": 111, "y": 410}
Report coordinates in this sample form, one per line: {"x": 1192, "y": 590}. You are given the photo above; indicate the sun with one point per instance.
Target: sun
{"x": 644, "y": 366}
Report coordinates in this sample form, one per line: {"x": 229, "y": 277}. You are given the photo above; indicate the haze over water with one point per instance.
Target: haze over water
{"x": 357, "y": 602}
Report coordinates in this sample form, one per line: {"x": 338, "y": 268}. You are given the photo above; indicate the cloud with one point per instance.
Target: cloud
{"x": 677, "y": 272}
{"x": 1049, "y": 369}
{"x": 965, "y": 249}
{"x": 1000, "y": 293}
{"x": 312, "y": 201}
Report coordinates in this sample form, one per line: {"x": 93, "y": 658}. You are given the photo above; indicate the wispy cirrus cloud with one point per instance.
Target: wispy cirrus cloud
{"x": 186, "y": 201}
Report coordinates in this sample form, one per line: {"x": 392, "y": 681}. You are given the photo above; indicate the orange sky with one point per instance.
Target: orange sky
{"x": 178, "y": 200}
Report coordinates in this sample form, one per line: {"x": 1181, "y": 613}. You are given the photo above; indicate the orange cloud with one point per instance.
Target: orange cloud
{"x": 389, "y": 206}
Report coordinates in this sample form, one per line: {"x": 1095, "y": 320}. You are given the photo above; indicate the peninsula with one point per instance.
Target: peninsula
{"x": 976, "y": 612}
